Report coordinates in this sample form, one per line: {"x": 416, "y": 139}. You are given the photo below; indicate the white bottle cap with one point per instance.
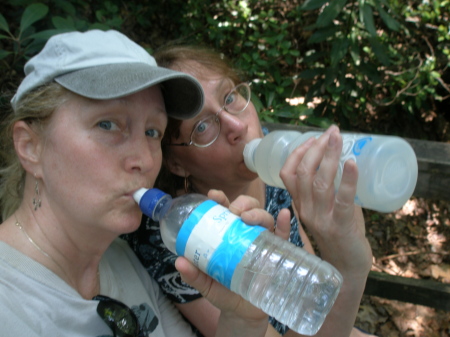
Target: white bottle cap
{"x": 138, "y": 194}
{"x": 249, "y": 154}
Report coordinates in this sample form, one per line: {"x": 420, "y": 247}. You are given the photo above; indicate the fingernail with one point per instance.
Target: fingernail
{"x": 329, "y": 130}
{"x": 309, "y": 141}
{"x": 332, "y": 139}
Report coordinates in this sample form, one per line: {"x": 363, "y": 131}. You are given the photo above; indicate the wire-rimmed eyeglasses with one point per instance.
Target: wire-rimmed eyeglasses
{"x": 206, "y": 131}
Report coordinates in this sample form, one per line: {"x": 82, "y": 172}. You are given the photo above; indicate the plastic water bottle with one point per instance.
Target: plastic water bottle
{"x": 283, "y": 280}
{"x": 387, "y": 165}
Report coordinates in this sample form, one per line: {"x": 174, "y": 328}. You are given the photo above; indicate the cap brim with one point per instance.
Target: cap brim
{"x": 183, "y": 95}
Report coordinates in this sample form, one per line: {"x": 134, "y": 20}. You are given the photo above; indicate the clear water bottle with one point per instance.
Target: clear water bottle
{"x": 387, "y": 165}
{"x": 283, "y": 280}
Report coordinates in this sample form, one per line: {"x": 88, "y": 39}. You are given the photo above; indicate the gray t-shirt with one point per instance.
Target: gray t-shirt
{"x": 36, "y": 302}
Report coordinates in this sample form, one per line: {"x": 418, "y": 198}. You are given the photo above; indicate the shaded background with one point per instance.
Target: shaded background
{"x": 373, "y": 66}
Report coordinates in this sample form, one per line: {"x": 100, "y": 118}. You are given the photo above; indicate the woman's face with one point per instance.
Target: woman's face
{"x": 97, "y": 153}
{"x": 221, "y": 163}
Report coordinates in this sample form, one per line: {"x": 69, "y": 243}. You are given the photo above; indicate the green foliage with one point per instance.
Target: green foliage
{"x": 366, "y": 57}
{"x": 258, "y": 37}
{"x": 24, "y": 32}
{"x": 363, "y": 64}
{"x": 367, "y": 65}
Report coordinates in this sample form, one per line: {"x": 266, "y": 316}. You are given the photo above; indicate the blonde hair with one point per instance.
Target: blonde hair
{"x": 36, "y": 109}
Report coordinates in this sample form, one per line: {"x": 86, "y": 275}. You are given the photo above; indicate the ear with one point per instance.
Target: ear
{"x": 27, "y": 145}
{"x": 176, "y": 168}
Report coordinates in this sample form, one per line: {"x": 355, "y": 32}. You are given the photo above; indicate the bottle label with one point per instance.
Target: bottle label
{"x": 351, "y": 148}
{"x": 215, "y": 240}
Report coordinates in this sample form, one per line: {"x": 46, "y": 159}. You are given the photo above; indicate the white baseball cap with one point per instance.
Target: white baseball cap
{"x": 105, "y": 65}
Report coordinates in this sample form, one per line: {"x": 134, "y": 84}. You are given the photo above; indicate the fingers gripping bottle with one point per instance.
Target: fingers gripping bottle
{"x": 387, "y": 165}
{"x": 283, "y": 280}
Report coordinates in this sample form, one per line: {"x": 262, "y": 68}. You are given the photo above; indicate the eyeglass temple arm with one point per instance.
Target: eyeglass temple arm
{"x": 181, "y": 144}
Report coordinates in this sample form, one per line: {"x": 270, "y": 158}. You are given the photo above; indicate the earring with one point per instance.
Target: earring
{"x": 186, "y": 184}
{"x": 37, "y": 196}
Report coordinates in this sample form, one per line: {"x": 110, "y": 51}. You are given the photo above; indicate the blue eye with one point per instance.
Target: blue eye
{"x": 153, "y": 133}
{"x": 230, "y": 98}
{"x": 202, "y": 126}
{"x": 107, "y": 125}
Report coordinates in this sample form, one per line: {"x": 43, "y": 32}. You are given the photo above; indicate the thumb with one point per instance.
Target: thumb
{"x": 283, "y": 227}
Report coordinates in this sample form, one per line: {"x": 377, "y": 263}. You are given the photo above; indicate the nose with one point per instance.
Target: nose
{"x": 232, "y": 126}
{"x": 141, "y": 157}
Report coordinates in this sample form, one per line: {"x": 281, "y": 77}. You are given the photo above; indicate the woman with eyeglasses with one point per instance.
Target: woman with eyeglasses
{"x": 206, "y": 152}
{"x": 84, "y": 134}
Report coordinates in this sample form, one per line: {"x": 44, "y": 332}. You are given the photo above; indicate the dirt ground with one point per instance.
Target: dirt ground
{"x": 412, "y": 242}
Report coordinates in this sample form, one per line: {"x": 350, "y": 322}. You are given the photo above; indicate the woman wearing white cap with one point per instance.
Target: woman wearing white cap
{"x": 83, "y": 136}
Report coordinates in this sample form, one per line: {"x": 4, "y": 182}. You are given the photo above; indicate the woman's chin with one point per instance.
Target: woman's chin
{"x": 129, "y": 223}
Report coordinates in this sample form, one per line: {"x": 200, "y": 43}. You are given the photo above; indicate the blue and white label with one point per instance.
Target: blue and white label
{"x": 215, "y": 240}
{"x": 352, "y": 146}
{"x": 359, "y": 145}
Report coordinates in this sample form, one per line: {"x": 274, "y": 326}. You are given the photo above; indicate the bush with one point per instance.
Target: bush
{"x": 369, "y": 65}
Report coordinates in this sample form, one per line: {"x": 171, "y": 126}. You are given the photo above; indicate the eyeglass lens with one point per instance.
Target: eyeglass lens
{"x": 206, "y": 131}
{"x": 237, "y": 100}
{"x": 120, "y": 318}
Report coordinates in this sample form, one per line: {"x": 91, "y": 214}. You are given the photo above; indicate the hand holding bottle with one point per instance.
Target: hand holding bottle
{"x": 229, "y": 302}
{"x": 335, "y": 222}
{"x": 251, "y": 212}
{"x": 286, "y": 282}
{"x": 387, "y": 165}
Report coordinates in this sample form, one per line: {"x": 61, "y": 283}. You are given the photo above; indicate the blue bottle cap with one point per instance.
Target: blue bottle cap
{"x": 149, "y": 200}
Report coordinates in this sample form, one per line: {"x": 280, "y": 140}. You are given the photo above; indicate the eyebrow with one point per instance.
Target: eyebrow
{"x": 223, "y": 82}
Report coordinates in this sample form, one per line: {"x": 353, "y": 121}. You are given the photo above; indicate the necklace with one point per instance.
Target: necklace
{"x": 19, "y": 225}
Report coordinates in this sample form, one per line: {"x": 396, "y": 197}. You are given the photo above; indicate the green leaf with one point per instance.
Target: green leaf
{"x": 46, "y": 34}
{"x": 4, "y": 53}
{"x": 285, "y": 44}
{"x": 330, "y": 13}
{"x": 435, "y": 74}
{"x": 314, "y": 91}
{"x": 320, "y": 122}
{"x": 380, "y": 51}
{"x": 285, "y": 112}
{"x": 330, "y": 76}
{"x": 323, "y": 34}
{"x": 315, "y": 56}
{"x": 99, "y": 15}
{"x": 66, "y": 6}
{"x": 370, "y": 71}
{"x": 339, "y": 49}
{"x": 3, "y": 24}
{"x": 312, "y": 4}
{"x": 270, "y": 97}
{"x": 368, "y": 19}
{"x": 390, "y": 22}
{"x": 259, "y": 106}
{"x": 354, "y": 52}
{"x": 307, "y": 111}
{"x": 63, "y": 23}
{"x": 310, "y": 73}
{"x": 32, "y": 14}
{"x": 4, "y": 37}
{"x": 265, "y": 116}
{"x": 98, "y": 25}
